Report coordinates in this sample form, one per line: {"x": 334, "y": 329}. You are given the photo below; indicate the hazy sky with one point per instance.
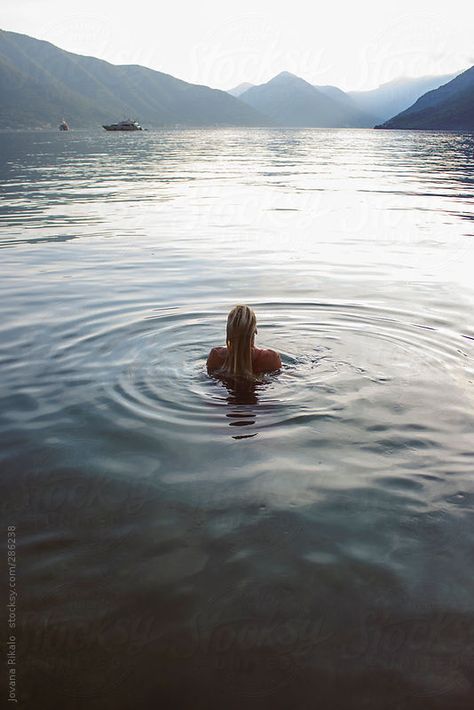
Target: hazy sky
{"x": 352, "y": 45}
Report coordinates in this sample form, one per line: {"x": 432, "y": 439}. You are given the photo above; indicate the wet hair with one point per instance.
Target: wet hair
{"x": 241, "y": 328}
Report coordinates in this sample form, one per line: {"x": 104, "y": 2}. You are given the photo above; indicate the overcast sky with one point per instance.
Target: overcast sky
{"x": 353, "y": 45}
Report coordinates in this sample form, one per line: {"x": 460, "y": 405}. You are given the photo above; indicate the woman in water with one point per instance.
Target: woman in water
{"x": 241, "y": 358}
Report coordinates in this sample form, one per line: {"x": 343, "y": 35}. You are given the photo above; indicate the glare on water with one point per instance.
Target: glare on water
{"x": 332, "y": 499}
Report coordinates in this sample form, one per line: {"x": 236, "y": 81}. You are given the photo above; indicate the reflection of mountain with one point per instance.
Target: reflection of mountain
{"x": 450, "y": 107}
{"x": 291, "y": 101}
{"x": 40, "y": 83}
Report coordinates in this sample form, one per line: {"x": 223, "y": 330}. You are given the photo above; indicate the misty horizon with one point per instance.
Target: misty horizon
{"x": 393, "y": 81}
{"x": 220, "y": 48}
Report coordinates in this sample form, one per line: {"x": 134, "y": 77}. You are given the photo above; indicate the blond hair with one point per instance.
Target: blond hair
{"x": 241, "y": 328}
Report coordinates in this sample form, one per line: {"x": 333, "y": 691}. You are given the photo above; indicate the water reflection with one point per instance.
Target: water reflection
{"x": 62, "y": 186}
{"x": 242, "y": 400}
{"x": 148, "y": 535}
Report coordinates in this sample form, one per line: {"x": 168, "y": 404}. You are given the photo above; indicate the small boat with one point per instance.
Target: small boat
{"x": 63, "y": 126}
{"x": 127, "y": 125}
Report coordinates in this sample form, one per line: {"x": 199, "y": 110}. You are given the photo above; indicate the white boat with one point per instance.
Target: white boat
{"x": 127, "y": 125}
{"x": 63, "y": 126}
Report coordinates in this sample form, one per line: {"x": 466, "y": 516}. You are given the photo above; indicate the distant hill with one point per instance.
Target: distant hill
{"x": 291, "y": 101}
{"x": 40, "y": 84}
{"x": 448, "y": 108}
{"x": 238, "y": 90}
{"x": 395, "y": 96}
{"x": 367, "y": 120}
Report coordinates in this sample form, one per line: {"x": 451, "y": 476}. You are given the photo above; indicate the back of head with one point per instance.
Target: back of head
{"x": 241, "y": 328}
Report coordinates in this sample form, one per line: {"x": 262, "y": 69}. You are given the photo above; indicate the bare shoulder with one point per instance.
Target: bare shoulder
{"x": 216, "y": 357}
{"x": 274, "y": 358}
{"x": 219, "y": 351}
{"x": 269, "y": 360}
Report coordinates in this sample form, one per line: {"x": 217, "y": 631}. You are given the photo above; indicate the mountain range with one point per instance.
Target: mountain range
{"x": 40, "y": 84}
{"x": 450, "y": 107}
{"x": 289, "y": 100}
{"x": 391, "y": 98}
{"x": 237, "y": 90}
{"x": 376, "y": 105}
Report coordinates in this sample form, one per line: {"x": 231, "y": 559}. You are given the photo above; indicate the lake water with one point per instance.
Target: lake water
{"x": 305, "y": 544}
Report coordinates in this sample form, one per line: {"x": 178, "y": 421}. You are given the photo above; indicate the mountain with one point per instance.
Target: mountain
{"x": 238, "y": 90}
{"x": 40, "y": 84}
{"x": 395, "y": 96}
{"x": 335, "y": 93}
{"x": 348, "y": 103}
{"x": 449, "y": 108}
{"x": 289, "y": 100}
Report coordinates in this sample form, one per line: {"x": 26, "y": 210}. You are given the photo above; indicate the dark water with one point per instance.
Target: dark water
{"x": 307, "y": 544}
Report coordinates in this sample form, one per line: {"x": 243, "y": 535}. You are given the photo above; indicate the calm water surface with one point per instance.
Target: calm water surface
{"x": 305, "y": 544}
